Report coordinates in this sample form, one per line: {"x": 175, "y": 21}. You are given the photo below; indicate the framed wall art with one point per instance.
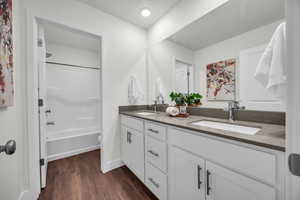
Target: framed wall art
{"x": 221, "y": 80}
{"x": 6, "y": 54}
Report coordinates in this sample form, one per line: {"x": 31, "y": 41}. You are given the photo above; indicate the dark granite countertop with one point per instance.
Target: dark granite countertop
{"x": 270, "y": 136}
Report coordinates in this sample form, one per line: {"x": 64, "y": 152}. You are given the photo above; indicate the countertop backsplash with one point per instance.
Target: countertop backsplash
{"x": 242, "y": 115}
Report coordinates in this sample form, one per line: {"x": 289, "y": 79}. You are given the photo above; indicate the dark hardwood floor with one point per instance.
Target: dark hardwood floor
{"x": 79, "y": 178}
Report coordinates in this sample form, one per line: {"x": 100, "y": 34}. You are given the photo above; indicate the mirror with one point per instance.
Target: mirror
{"x": 232, "y": 38}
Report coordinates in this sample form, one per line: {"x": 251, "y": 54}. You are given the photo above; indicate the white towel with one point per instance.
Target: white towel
{"x": 135, "y": 93}
{"x": 271, "y": 69}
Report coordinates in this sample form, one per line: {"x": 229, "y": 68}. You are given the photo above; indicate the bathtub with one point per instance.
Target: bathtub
{"x": 73, "y": 141}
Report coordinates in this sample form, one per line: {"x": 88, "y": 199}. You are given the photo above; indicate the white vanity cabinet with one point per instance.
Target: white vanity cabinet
{"x": 132, "y": 145}
{"x": 193, "y": 178}
{"x": 178, "y": 164}
{"x": 230, "y": 171}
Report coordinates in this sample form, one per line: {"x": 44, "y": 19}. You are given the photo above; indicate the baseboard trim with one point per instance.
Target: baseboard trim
{"x": 111, "y": 165}
{"x": 71, "y": 153}
{"x": 25, "y": 195}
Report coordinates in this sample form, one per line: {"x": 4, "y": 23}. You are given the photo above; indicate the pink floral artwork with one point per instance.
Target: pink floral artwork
{"x": 221, "y": 80}
{"x": 6, "y": 54}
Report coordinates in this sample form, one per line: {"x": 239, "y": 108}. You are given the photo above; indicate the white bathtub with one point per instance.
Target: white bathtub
{"x": 71, "y": 142}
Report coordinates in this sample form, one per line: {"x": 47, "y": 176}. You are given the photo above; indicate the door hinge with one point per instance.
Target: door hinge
{"x": 294, "y": 164}
{"x": 41, "y": 102}
{"x": 40, "y": 43}
{"x": 42, "y": 162}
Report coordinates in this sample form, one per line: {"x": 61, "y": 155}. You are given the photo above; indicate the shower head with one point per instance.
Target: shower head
{"x": 48, "y": 55}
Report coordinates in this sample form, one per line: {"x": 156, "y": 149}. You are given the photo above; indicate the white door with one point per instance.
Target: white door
{"x": 254, "y": 96}
{"x": 186, "y": 179}
{"x": 11, "y": 128}
{"x": 184, "y": 77}
{"x": 225, "y": 184}
{"x": 42, "y": 105}
{"x": 293, "y": 96}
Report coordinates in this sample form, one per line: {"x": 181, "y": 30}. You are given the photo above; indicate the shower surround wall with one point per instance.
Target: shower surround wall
{"x": 73, "y": 96}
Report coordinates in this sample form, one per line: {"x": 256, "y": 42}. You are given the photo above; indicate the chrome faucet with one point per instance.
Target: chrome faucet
{"x": 155, "y": 106}
{"x": 232, "y": 107}
{"x": 160, "y": 99}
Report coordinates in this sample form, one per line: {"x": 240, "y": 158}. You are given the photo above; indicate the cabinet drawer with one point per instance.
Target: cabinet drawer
{"x": 156, "y": 131}
{"x": 156, "y": 153}
{"x": 156, "y": 181}
{"x": 257, "y": 164}
{"x": 131, "y": 122}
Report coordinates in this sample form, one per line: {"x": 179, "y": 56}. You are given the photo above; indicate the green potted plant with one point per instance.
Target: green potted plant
{"x": 180, "y": 101}
{"x": 178, "y": 98}
{"x": 194, "y": 99}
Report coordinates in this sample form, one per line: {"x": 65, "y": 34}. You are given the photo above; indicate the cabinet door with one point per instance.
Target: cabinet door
{"x": 135, "y": 152}
{"x": 186, "y": 172}
{"x": 226, "y": 184}
{"x": 124, "y": 145}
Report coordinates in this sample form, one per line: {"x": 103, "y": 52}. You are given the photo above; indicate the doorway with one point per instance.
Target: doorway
{"x": 69, "y": 93}
{"x": 184, "y": 77}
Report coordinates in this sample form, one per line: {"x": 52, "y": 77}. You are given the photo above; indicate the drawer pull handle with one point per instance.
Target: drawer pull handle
{"x": 199, "y": 176}
{"x": 153, "y": 182}
{"x": 208, "y": 184}
{"x": 50, "y": 123}
{"x": 153, "y": 131}
{"x": 153, "y": 153}
{"x": 129, "y": 134}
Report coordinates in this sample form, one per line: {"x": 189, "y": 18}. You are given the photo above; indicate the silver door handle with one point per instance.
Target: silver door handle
{"x": 9, "y": 148}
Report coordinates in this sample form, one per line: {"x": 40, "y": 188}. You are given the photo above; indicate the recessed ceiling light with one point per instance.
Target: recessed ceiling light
{"x": 145, "y": 12}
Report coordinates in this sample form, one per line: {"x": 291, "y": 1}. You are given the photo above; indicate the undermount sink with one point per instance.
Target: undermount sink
{"x": 145, "y": 113}
{"x": 228, "y": 127}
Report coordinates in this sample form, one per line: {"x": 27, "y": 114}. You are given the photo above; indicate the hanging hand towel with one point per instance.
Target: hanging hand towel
{"x": 271, "y": 69}
{"x": 134, "y": 91}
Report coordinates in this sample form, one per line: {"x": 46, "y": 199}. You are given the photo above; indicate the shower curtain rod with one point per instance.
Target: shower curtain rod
{"x": 69, "y": 65}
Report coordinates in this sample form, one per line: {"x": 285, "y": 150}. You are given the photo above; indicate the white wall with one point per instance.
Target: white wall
{"x": 224, "y": 50}
{"x": 161, "y": 65}
{"x": 184, "y": 13}
{"x": 123, "y": 52}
